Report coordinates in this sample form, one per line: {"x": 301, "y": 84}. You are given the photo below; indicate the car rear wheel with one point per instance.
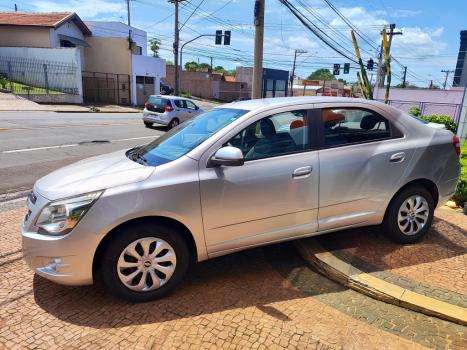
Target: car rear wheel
{"x": 144, "y": 262}
{"x": 409, "y": 215}
{"x": 148, "y": 124}
{"x": 173, "y": 123}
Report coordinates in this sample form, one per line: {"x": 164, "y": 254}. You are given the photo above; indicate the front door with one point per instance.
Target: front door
{"x": 361, "y": 162}
{"x": 273, "y": 196}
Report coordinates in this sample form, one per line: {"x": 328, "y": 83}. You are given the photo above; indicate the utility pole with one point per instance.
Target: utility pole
{"x": 293, "y": 69}
{"x": 211, "y": 64}
{"x": 130, "y": 88}
{"x": 447, "y": 75}
{"x": 404, "y": 76}
{"x": 258, "y": 51}
{"x": 175, "y": 46}
{"x": 381, "y": 73}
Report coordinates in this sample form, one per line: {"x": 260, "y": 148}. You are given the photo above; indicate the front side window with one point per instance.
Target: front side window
{"x": 344, "y": 126}
{"x": 184, "y": 138}
{"x": 279, "y": 134}
{"x": 190, "y": 105}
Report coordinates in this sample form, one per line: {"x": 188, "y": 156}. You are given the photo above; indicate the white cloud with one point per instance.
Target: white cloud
{"x": 84, "y": 8}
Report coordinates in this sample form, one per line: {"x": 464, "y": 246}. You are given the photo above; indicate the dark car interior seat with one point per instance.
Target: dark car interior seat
{"x": 272, "y": 143}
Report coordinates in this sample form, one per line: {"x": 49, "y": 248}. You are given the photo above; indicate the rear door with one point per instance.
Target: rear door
{"x": 180, "y": 109}
{"x": 362, "y": 158}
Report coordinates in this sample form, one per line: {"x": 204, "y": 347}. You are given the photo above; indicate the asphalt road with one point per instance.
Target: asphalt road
{"x": 33, "y": 144}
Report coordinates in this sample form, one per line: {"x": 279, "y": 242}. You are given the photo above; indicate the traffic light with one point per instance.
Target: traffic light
{"x": 218, "y": 37}
{"x": 227, "y": 37}
{"x": 370, "y": 64}
{"x": 337, "y": 69}
{"x": 346, "y": 68}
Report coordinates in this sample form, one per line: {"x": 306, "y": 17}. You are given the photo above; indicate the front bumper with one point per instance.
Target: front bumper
{"x": 56, "y": 259}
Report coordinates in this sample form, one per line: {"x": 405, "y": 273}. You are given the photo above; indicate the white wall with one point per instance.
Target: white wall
{"x": 147, "y": 66}
{"x": 119, "y": 30}
{"x": 68, "y": 29}
{"x": 41, "y": 56}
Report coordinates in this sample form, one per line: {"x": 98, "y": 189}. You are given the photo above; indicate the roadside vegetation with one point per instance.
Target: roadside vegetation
{"x": 460, "y": 197}
{"x": 19, "y": 88}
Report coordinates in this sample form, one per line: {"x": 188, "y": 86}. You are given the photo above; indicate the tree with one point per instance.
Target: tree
{"x": 204, "y": 67}
{"x": 191, "y": 66}
{"x": 321, "y": 74}
{"x": 154, "y": 45}
{"x": 233, "y": 72}
{"x": 169, "y": 63}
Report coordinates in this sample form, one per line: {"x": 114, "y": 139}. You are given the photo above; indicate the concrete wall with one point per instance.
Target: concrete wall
{"x": 107, "y": 55}
{"x": 118, "y": 30}
{"x": 430, "y": 101}
{"x": 27, "y": 67}
{"x": 25, "y": 36}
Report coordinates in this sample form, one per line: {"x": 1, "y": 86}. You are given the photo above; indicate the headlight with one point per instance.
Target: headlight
{"x": 60, "y": 217}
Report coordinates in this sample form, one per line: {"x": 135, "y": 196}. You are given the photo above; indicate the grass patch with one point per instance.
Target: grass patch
{"x": 19, "y": 88}
{"x": 460, "y": 197}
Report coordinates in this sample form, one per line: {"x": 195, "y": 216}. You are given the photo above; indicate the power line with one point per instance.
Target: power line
{"x": 197, "y": 7}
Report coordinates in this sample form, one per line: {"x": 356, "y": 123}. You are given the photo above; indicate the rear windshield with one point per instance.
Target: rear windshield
{"x": 182, "y": 139}
{"x": 158, "y": 101}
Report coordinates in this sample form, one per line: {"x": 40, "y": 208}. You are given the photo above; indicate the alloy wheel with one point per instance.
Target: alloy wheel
{"x": 146, "y": 264}
{"x": 413, "y": 215}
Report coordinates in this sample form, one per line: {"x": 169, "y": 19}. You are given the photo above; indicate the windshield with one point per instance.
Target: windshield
{"x": 182, "y": 139}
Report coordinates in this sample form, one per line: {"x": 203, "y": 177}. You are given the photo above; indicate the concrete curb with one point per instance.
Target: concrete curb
{"x": 334, "y": 268}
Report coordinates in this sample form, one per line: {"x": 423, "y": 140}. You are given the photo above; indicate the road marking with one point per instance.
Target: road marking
{"x": 68, "y": 126}
{"x": 74, "y": 145}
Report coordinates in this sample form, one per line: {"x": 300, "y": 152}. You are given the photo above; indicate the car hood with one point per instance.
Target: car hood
{"x": 92, "y": 174}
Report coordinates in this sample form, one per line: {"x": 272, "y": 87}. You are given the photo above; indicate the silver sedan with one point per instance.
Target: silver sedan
{"x": 239, "y": 176}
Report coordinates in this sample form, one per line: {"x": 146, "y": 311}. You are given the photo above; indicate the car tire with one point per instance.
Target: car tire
{"x": 409, "y": 215}
{"x": 148, "y": 124}
{"x": 118, "y": 258}
{"x": 173, "y": 123}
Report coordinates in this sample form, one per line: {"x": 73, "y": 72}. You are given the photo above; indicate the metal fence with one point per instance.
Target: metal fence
{"x": 27, "y": 76}
{"x": 427, "y": 108}
{"x": 106, "y": 88}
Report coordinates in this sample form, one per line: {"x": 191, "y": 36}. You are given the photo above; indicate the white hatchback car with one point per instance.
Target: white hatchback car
{"x": 169, "y": 110}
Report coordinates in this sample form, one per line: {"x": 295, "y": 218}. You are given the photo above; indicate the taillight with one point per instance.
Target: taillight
{"x": 168, "y": 107}
{"x": 457, "y": 145}
{"x": 146, "y": 104}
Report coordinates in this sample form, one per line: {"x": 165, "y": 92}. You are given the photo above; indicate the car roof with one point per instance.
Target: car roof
{"x": 290, "y": 101}
{"x": 170, "y": 97}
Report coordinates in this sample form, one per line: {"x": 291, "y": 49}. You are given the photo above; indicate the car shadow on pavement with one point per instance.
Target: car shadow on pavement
{"x": 444, "y": 240}
{"x": 253, "y": 278}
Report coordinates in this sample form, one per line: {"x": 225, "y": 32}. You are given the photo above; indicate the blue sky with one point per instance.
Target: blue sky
{"x": 430, "y": 41}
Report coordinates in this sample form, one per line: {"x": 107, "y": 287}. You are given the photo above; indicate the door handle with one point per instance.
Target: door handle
{"x": 397, "y": 157}
{"x": 302, "y": 172}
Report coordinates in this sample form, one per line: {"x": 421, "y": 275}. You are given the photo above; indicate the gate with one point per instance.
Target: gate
{"x": 106, "y": 88}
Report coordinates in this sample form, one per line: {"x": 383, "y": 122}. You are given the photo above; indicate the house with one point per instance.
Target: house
{"x": 110, "y": 52}
{"x": 460, "y": 75}
{"x": 43, "y": 30}
{"x": 102, "y": 62}
{"x": 275, "y": 81}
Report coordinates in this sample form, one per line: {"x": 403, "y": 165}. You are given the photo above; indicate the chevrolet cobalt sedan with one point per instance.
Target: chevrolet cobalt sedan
{"x": 239, "y": 176}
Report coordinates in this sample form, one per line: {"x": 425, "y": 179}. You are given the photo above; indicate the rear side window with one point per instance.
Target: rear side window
{"x": 180, "y": 103}
{"x": 344, "y": 126}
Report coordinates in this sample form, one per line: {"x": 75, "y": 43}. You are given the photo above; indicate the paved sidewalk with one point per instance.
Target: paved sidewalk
{"x": 11, "y": 102}
{"x": 266, "y": 298}
{"x": 430, "y": 276}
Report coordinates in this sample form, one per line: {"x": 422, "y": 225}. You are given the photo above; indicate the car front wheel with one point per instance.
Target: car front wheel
{"x": 144, "y": 262}
{"x": 409, "y": 216}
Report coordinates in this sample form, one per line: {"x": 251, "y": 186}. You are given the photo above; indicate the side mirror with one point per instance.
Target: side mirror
{"x": 196, "y": 107}
{"x": 227, "y": 156}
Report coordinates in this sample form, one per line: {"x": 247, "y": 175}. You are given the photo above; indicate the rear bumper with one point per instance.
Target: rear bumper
{"x": 446, "y": 190}
{"x": 156, "y": 118}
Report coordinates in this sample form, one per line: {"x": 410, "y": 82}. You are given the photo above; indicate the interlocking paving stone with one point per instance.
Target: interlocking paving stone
{"x": 265, "y": 298}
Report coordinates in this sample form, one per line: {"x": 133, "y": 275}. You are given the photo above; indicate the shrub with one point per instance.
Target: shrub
{"x": 3, "y": 82}
{"x": 415, "y": 111}
{"x": 460, "y": 197}
{"x": 185, "y": 94}
{"x": 441, "y": 119}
